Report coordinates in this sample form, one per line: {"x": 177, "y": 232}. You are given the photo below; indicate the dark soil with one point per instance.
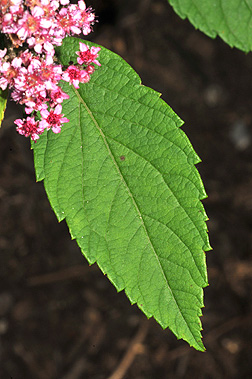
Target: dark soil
{"x": 60, "y": 318}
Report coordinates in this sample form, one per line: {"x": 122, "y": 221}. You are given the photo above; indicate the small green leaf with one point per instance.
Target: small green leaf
{"x": 122, "y": 174}
{"x": 3, "y": 102}
{"x": 229, "y": 19}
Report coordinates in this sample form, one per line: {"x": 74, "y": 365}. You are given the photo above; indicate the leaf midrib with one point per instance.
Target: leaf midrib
{"x": 134, "y": 203}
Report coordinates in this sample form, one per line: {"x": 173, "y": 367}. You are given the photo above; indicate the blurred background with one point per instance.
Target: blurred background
{"x": 60, "y": 318}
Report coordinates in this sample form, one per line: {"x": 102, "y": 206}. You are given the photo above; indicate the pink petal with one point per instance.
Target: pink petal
{"x": 44, "y": 113}
{"x": 95, "y": 50}
{"x": 83, "y": 47}
{"x": 43, "y": 124}
{"x": 76, "y": 83}
{"x": 46, "y": 23}
{"x": 22, "y": 33}
{"x": 37, "y": 11}
{"x": 82, "y": 5}
{"x": 2, "y": 53}
{"x": 64, "y": 119}
{"x": 58, "y": 109}
{"x": 56, "y": 129}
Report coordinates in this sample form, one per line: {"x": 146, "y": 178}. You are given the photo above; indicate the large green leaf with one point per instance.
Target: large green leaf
{"x": 122, "y": 174}
{"x": 229, "y": 19}
{"x": 3, "y": 102}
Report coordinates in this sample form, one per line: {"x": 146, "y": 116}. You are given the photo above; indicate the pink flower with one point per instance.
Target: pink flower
{"x": 37, "y": 103}
{"x": 57, "y": 96}
{"x": 8, "y": 74}
{"x": 66, "y": 22}
{"x": 33, "y": 74}
{"x": 53, "y": 119}
{"x": 26, "y": 57}
{"x": 85, "y": 17}
{"x": 88, "y": 56}
{"x": 30, "y": 23}
{"x": 74, "y": 76}
{"x": 90, "y": 69}
{"x": 29, "y": 128}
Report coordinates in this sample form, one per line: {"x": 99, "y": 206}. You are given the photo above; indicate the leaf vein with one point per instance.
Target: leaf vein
{"x": 135, "y": 206}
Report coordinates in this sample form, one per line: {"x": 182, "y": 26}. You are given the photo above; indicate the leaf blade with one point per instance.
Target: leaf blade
{"x": 231, "y": 20}
{"x": 122, "y": 144}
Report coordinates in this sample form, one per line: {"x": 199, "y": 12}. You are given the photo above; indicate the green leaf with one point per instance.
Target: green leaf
{"x": 3, "y": 102}
{"x": 229, "y": 19}
{"x": 122, "y": 174}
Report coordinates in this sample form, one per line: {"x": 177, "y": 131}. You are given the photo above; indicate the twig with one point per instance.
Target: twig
{"x": 65, "y": 274}
{"x": 77, "y": 369}
{"x": 135, "y": 347}
{"x": 226, "y": 327}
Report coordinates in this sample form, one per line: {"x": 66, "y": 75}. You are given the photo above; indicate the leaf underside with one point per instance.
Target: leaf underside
{"x": 229, "y": 19}
{"x": 122, "y": 174}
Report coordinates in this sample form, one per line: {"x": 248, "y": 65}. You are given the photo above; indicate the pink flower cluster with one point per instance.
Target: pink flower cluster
{"x": 29, "y": 66}
{"x": 44, "y": 23}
